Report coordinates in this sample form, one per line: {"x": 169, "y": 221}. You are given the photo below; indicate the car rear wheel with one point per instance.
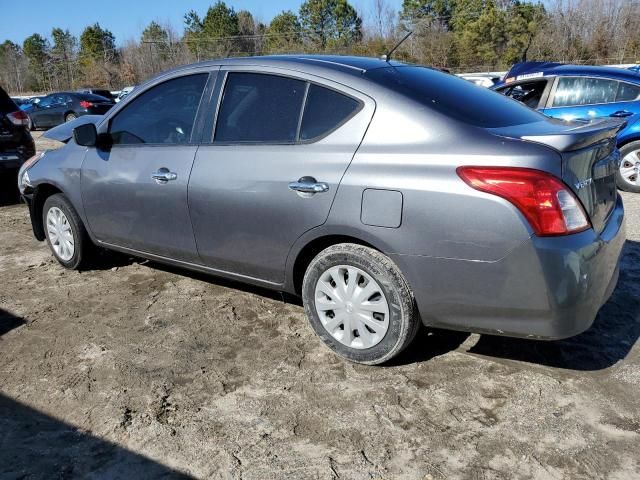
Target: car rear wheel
{"x": 66, "y": 236}
{"x": 359, "y": 303}
{"x": 628, "y": 176}
{"x": 70, "y": 116}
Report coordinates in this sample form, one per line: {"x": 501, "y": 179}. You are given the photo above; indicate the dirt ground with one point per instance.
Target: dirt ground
{"x": 136, "y": 370}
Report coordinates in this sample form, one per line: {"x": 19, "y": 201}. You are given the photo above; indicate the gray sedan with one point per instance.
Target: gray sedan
{"x": 386, "y": 195}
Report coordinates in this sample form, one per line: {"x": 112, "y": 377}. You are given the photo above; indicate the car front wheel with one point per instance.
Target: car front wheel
{"x": 65, "y": 232}
{"x": 359, "y": 303}
{"x": 628, "y": 176}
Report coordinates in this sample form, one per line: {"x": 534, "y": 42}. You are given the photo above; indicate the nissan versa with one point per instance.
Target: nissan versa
{"x": 385, "y": 195}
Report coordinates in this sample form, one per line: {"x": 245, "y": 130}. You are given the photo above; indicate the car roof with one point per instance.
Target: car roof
{"x": 326, "y": 64}
{"x": 612, "y": 72}
{"x": 530, "y": 70}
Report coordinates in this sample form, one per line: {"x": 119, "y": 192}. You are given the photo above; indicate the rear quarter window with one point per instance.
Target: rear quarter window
{"x": 325, "y": 110}
{"x": 455, "y": 97}
{"x": 627, "y": 92}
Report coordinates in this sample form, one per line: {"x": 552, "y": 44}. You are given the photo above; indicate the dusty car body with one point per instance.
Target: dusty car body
{"x": 409, "y": 205}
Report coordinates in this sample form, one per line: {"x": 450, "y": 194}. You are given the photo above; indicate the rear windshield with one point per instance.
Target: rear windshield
{"x": 455, "y": 97}
{"x": 92, "y": 98}
{"x": 103, "y": 93}
{"x": 6, "y": 104}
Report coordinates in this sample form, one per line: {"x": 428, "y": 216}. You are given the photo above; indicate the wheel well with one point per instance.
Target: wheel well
{"x": 68, "y": 112}
{"x": 312, "y": 249}
{"x": 626, "y": 142}
{"x": 40, "y": 196}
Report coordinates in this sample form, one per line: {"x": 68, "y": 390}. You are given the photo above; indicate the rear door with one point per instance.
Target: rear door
{"x": 55, "y": 110}
{"x": 40, "y": 112}
{"x": 135, "y": 193}
{"x": 586, "y": 98}
{"x": 277, "y": 152}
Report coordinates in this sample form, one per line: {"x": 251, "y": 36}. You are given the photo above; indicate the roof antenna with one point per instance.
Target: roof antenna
{"x": 387, "y": 56}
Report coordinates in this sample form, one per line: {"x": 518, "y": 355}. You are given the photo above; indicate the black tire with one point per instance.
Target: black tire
{"x": 70, "y": 116}
{"x": 404, "y": 320}
{"x": 31, "y": 127}
{"x": 622, "y": 183}
{"x": 83, "y": 247}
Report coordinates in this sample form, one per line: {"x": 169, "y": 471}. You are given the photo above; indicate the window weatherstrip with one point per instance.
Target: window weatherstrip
{"x": 304, "y": 105}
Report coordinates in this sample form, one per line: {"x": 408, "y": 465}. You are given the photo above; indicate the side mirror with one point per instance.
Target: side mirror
{"x": 86, "y": 135}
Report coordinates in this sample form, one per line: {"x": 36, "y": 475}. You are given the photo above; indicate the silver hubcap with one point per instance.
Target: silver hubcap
{"x": 352, "y": 306}
{"x": 630, "y": 168}
{"x": 60, "y": 234}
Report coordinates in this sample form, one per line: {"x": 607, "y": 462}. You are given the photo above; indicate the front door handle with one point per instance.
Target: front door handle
{"x": 163, "y": 175}
{"x": 621, "y": 114}
{"x": 309, "y": 185}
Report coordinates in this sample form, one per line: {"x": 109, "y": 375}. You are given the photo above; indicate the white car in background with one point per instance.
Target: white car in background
{"x": 123, "y": 93}
{"x": 486, "y": 80}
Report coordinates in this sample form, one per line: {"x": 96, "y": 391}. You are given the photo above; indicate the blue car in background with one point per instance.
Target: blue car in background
{"x": 576, "y": 92}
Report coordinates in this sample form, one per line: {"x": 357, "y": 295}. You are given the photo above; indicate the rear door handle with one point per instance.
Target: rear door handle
{"x": 163, "y": 175}
{"x": 621, "y": 114}
{"x": 309, "y": 185}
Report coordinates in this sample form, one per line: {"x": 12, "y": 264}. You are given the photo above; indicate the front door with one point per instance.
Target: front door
{"x": 280, "y": 148}
{"x": 135, "y": 193}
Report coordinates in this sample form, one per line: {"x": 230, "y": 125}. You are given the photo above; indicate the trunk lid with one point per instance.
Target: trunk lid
{"x": 589, "y": 159}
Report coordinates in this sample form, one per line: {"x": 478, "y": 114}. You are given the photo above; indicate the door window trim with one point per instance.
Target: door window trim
{"x": 196, "y": 130}
{"x": 208, "y": 138}
{"x": 557, "y": 82}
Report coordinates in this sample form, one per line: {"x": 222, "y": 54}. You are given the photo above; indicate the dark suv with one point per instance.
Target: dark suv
{"x": 16, "y": 143}
{"x": 16, "y": 146}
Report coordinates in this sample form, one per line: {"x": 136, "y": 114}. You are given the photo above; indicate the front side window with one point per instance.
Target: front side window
{"x": 324, "y": 111}
{"x": 258, "y": 107}
{"x": 576, "y": 91}
{"x": 164, "y": 114}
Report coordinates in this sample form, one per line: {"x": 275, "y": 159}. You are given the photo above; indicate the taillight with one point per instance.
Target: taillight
{"x": 545, "y": 201}
{"x": 19, "y": 118}
{"x": 85, "y": 104}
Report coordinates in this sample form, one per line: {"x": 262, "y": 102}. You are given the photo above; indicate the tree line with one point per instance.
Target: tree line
{"x": 460, "y": 35}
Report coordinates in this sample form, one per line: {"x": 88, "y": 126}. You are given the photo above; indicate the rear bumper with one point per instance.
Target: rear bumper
{"x": 547, "y": 288}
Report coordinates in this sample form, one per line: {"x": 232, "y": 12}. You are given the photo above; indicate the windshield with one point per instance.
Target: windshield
{"x": 455, "y": 97}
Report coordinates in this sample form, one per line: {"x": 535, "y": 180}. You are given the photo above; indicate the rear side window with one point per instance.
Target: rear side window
{"x": 455, "y": 97}
{"x": 576, "y": 91}
{"x": 324, "y": 111}
{"x": 260, "y": 108}
{"x": 164, "y": 114}
{"x": 627, "y": 92}
{"x": 102, "y": 93}
{"x": 6, "y": 104}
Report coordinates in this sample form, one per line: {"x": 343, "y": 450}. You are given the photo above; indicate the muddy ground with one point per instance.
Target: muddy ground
{"x": 136, "y": 370}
